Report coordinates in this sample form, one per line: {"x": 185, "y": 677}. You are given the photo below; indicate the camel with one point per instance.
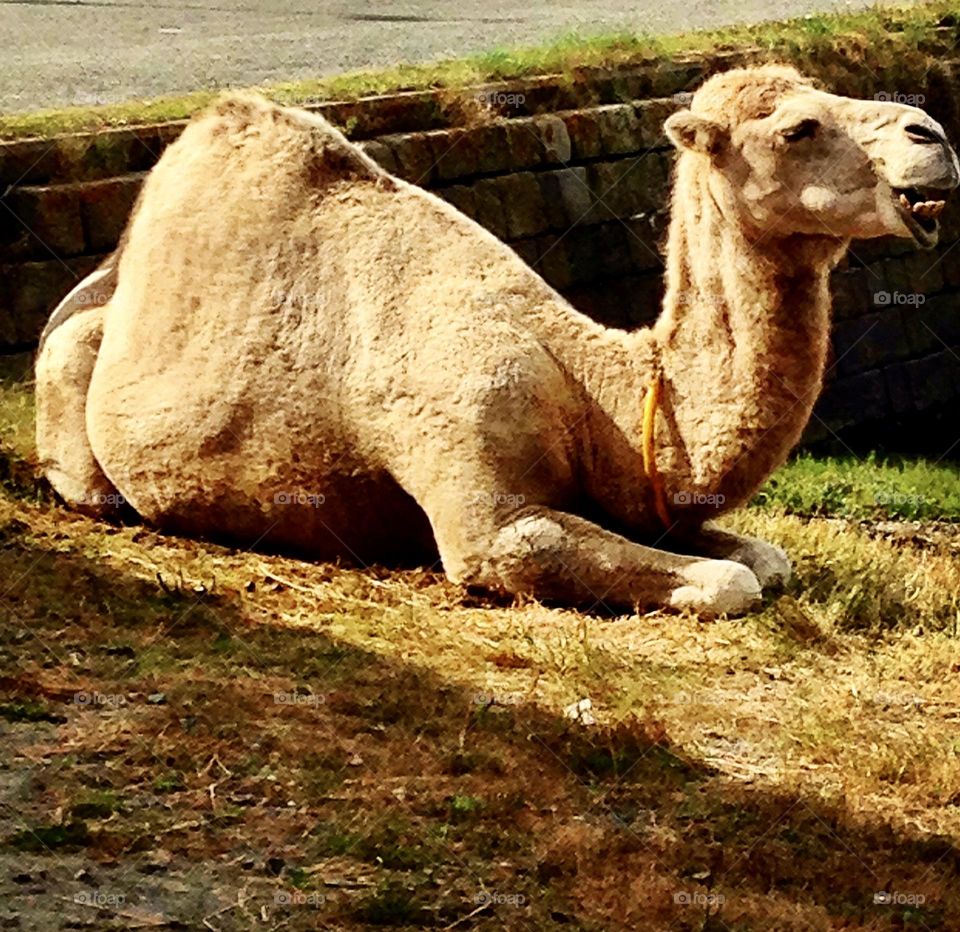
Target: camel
{"x": 302, "y": 352}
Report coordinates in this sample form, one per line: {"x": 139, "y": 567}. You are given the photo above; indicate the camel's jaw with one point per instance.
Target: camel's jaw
{"x": 920, "y": 210}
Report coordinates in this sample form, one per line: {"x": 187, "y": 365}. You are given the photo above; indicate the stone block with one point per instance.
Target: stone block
{"x": 38, "y": 287}
{"x": 527, "y": 250}
{"x": 454, "y": 154}
{"x": 555, "y": 139}
{"x": 567, "y": 196}
{"x": 523, "y": 204}
{"x": 852, "y": 401}
{"x": 524, "y": 148}
{"x": 582, "y": 252}
{"x": 28, "y": 161}
{"x": 490, "y": 211}
{"x": 950, "y": 265}
{"x": 492, "y": 146}
{"x": 647, "y": 239}
{"x": 628, "y": 186}
{"x": 382, "y": 154}
{"x": 652, "y": 114}
{"x": 620, "y": 129}
{"x": 583, "y": 128}
{"x": 466, "y": 152}
{"x": 463, "y": 197}
{"x": 870, "y": 341}
{"x": 896, "y": 379}
{"x": 935, "y": 380}
{"x": 92, "y": 156}
{"x": 553, "y": 262}
{"x": 415, "y": 157}
{"x": 851, "y": 294}
{"x": 50, "y": 221}
{"x": 105, "y": 207}
{"x": 933, "y": 325}
{"x": 914, "y": 273}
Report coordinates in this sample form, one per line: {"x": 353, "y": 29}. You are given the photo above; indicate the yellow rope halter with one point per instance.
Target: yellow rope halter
{"x": 650, "y": 405}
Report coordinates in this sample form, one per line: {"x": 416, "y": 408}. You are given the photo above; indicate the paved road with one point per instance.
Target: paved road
{"x": 57, "y": 52}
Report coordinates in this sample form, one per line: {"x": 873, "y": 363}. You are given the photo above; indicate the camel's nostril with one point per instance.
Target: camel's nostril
{"x": 924, "y": 135}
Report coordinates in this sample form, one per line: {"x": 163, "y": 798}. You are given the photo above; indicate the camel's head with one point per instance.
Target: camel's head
{"x": 790, "y": 159}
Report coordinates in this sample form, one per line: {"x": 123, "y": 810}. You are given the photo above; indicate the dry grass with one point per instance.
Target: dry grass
{"x": 260, "y": 741}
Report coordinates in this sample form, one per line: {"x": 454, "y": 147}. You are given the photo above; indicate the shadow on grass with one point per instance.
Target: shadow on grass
{"x": 343, "y": 789}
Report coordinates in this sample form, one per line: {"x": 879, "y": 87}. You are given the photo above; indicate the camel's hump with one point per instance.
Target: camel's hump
{"x": 249, "y": 121}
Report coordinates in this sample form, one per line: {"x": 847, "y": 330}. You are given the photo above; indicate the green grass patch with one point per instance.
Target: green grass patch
{"x": 892, "y": 39}
{"x": 169, "y": 783}
{"x": 27, "y": 710}
{"x": 874, "y": 487}
{"x": 50, "y": 838}
{"x": 96, "y": 804}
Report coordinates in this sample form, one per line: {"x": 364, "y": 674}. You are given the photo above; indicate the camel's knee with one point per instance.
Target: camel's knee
{"x": 63, "y": 370}
{"x": 520, "y": 556}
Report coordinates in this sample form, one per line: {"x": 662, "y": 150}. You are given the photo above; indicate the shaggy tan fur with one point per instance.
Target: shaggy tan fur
{"x": 305, "y": 352}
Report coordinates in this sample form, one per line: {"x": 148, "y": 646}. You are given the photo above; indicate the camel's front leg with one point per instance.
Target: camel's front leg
{"x": 557, "y": 556}
{"x": 770, "y": 564}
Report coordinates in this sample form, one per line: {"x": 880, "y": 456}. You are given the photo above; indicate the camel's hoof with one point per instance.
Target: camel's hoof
{"x": 721, "y": 587}
{"x": 769, "y": 563}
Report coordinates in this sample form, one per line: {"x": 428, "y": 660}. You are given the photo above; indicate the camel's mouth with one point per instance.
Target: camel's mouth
{"x": 920, "y": 209}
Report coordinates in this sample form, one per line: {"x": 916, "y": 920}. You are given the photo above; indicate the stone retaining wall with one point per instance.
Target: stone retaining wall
{"x": 575, "y": 177}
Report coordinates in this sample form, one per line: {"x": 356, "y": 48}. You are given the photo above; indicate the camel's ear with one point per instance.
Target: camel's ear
{"x": 687, "y": 130}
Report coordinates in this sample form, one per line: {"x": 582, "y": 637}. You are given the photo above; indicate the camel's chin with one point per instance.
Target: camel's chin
{"x": 925, "y": 238}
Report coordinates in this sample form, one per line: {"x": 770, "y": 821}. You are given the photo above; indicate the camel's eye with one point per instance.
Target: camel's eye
{"x": 805, "y": 129}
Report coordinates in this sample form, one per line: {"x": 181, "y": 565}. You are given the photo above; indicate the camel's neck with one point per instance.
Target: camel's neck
{"x": 742, "y": 339}
{"x": 740, "y": 348}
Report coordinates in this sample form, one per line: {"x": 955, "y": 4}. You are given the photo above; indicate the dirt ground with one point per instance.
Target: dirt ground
{"x": 199, "y": 737}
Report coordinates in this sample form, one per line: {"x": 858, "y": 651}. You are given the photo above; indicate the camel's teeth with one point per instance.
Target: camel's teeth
{"x": 928, "y": 208}
{"x": 905, "y": 201}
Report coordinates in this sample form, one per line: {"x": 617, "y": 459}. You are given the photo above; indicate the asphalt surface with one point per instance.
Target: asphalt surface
{"x": 61, "y": 52}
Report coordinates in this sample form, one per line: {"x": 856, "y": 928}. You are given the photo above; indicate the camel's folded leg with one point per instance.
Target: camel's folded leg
{"x": 769, "y": 563}
{"x": 64, "y": 366}
{"x": 558, "y": 556}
